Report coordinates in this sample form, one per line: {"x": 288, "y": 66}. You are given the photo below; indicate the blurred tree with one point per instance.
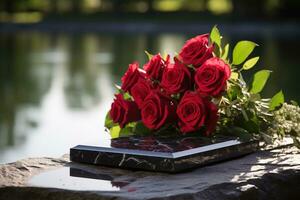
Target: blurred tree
{"x": 237, "y": 8}
{"x": 54, "y": 6}
{"x": 289, "y": 8}
{"x": 9, "y": 5}
{"x": 253, "y": 8}
{"x": 195, "y": 5}
{"x": 77, "y": 5}
{"x": 150, "y": 5}
{"x": 118, "y": 5}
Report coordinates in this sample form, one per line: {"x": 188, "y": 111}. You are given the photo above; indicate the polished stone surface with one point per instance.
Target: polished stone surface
{"x": 163, "y": 154}
{"x": 165, "y": 144}
{"x": 74, "y": 179}
{"x": 270, "y": 174}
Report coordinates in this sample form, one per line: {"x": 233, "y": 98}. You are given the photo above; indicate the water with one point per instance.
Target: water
{"x": 56, "y": 88}
{"x": 63, "y": 178}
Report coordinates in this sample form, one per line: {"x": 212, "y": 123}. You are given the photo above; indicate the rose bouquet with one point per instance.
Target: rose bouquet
{"x": 201, "y": 91}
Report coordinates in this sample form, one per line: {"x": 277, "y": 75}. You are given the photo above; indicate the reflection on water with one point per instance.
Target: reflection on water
{"x": 56, "y": 88}
{"x": 73, "y": 179}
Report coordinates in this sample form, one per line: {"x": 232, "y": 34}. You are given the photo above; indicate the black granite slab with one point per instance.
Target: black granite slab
{"x": 163, "y": 154}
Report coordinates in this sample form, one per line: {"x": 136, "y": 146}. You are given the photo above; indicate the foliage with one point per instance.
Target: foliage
{"x": 133, "y": 128}
{"x": 242, "y": 110}
{"x": 259, "y": 81}
{"x": 244, "y": 113}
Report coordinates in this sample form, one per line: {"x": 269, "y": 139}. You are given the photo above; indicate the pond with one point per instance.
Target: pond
{"x": 57, "y": 87}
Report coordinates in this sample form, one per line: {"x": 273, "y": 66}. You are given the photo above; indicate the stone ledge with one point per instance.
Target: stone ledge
{"x": 17, "y": 173}
{"x": 272, "y": 174}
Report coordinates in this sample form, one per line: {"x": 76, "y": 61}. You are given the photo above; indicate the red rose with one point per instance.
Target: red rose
{"x": 154, "y": 68}
{"x": 195, "y": 112}
{"x": 131, "y": 76}
{"x": 196, "y": 51}
{"x": 123, "y": 111}
{"x": 157, "y": 110}
{"x": 140, "y": 90}
{"x": 211, "y": 78}
{"x": 176, "y": 78}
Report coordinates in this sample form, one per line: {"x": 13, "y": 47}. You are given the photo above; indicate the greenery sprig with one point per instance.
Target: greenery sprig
{"x": 243, "y": 112}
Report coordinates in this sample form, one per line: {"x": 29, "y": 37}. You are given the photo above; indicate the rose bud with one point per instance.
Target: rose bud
{"x": 196, "y": 51}
{"x": 131, "y": 76}
{"x": 157, "y": 110}
{"x": 154, "y": 68}
{"x": 176, "y": 78}
{"x": 211, "y": 78}
{"x": 195, "y": 112}
{"x": 123, "y": 111}
{"x": 140, "y": 90}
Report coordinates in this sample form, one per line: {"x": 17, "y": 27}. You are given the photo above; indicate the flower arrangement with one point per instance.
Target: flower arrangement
{"x": 201, "y": 91}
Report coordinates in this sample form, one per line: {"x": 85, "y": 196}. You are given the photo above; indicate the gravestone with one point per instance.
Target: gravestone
{"x": 265, "y": 174}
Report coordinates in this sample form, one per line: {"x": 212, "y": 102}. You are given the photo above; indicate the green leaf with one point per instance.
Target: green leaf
{"x": 141, "y": 129}
{"x": 240, "y": 132}
{"x": 252, "y": 125}
{"x": 215, "y": 36}
{"x": 241, "y": 51}
{"x": 126, "y": 96}
{"x": 175, "y": 96}
{"x": 115, "y": 132}
{"x": 217, "y": 51}
{"x": 259, "y": 81}
{"x": 250, "y": 63}
{"x": 254, "y": 97}
{"x": 234, "y": 75}
{"x": 149, "y": 55}
{"x": 126, "y": 131}
{"x": 233, "y": 92}
{"x": 244, "y": 113}
{"x": 277, "y": 100}
{"x": 226, "y": 50}
{"x": 108, "y": 121}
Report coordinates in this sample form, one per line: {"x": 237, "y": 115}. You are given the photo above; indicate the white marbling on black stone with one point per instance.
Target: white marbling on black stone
{"x": 162, "y": 154}
{"x": 264, "y": 174}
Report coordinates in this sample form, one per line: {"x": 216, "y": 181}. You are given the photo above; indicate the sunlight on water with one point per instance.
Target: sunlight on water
{"x": 51, "y": 127}
{"x": 64, "y": 92}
